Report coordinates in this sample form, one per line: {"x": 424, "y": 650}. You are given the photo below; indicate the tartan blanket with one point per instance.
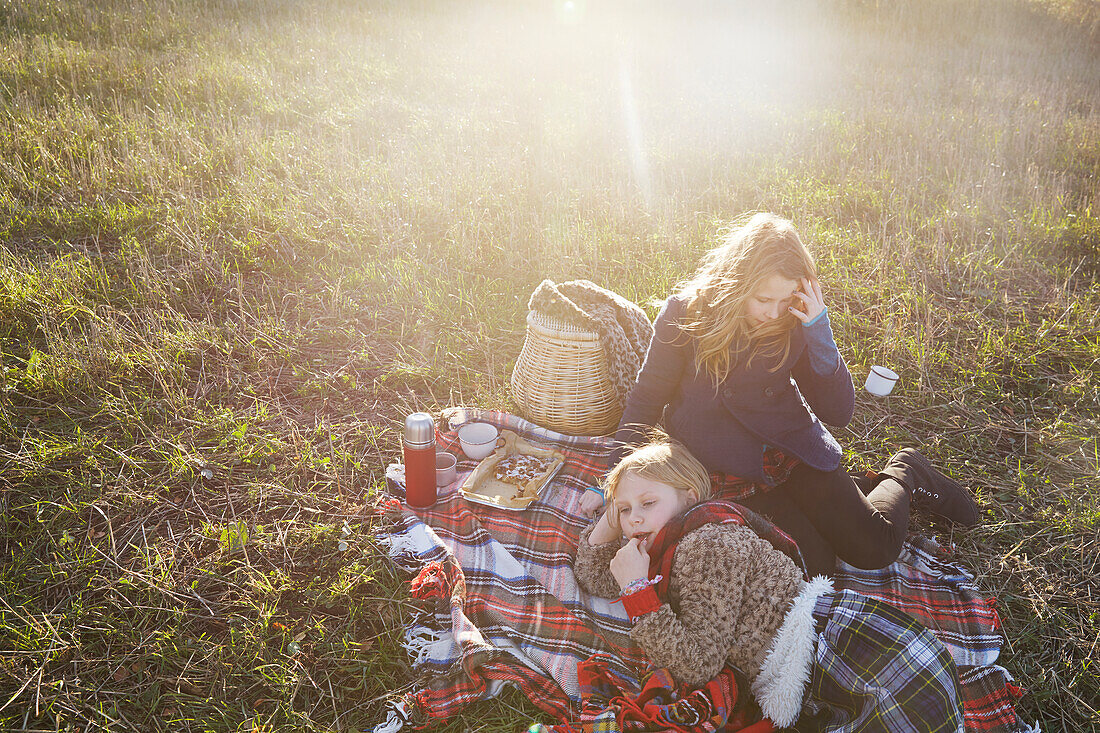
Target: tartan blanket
{"x": 876, "y": 668}
{"x": 661, "y": 704}
{"x": 500, "y": 604}
{"x": 938, "y": 593}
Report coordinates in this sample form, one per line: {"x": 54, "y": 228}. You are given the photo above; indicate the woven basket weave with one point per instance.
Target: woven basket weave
{"x": 560, "y": 380}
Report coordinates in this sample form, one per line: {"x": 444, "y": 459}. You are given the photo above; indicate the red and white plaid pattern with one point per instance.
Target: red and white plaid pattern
{"x": 505, "y": 607}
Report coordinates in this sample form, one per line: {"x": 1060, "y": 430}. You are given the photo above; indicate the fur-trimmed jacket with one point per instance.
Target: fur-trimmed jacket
{"x": 734, "y": 598}
{"x": 729, "y": 593}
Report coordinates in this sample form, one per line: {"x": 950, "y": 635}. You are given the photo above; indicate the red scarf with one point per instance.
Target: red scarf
{"x": 714, "y": 511}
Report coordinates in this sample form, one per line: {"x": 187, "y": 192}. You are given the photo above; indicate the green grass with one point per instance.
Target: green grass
{"x": 239, "y": 241}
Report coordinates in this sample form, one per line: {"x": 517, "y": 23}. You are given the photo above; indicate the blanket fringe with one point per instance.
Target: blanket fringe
{"x": 423, "y": 644}
{"x": 431, "y": 582}
{"x": 402, "y": 549}
{"x": 396, "y": 717}
{"x": 399, "y": 543}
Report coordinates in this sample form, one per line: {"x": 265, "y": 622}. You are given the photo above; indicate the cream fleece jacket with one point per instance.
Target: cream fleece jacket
{"x": 729, "y": 593}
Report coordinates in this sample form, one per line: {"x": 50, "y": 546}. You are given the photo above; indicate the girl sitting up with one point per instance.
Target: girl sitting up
{"x": 703, "y": 589}
{"x": 742, "y": 369}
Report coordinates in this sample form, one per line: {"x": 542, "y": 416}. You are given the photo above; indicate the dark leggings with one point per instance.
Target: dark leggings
{"x": 827, "y": 514}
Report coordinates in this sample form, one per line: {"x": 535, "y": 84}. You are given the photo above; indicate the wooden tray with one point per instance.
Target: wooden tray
{"x": 481, "y": 487}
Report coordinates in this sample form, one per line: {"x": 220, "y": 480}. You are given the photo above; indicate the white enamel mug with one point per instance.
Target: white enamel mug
{"x": 880, "y": 381}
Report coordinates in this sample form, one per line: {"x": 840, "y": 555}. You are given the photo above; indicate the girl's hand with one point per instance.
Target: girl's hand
{"x": 630, "y": 563}
{"x": 603, "y": 532}
{"x": 812, "y": 301}
{"x": 591, "y": 503}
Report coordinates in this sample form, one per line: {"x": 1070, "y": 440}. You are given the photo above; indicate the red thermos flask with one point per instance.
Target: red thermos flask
{"x": 419, "y": 453}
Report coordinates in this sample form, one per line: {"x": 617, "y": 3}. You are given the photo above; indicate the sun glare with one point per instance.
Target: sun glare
{"x": 638, "y": 160}
{"x": 569, "y": 11}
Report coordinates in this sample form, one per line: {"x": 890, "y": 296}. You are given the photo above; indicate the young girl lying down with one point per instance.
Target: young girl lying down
{"x": 703, "y": 590}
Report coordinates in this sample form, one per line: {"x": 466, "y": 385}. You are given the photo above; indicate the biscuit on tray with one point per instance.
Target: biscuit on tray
{"x": 513, "y": 475}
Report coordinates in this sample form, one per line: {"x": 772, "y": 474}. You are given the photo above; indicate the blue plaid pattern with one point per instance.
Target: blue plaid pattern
{"x": 879, "y": 670}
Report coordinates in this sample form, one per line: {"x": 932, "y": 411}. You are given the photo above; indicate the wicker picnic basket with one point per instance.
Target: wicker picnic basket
{"x": 560, "y": 380}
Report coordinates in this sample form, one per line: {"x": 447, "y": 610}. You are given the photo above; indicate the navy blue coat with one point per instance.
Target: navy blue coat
{"x": 728, "y": 429}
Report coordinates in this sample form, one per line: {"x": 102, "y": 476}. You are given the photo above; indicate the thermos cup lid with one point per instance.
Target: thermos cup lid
{"x": 419, "y": 429}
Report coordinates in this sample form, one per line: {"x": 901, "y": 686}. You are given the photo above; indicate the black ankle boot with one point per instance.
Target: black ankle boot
{"x": 930, "y": 489}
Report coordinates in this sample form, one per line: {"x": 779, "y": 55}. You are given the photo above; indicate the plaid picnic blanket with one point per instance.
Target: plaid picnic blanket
{"x": 926, "y": 584}
{"x": 502, "y": 607}
{"x": 876, "y": 668}
{"x": 610, "y": 706}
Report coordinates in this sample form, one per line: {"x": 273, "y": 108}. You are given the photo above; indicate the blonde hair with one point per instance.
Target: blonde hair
{"x": 661, "y": 459}
{"x": 759, "y": 246}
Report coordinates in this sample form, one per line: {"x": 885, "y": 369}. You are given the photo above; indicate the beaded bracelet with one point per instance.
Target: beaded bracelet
{"x": 640, "y": 597}
{"x": 636, "y": 585}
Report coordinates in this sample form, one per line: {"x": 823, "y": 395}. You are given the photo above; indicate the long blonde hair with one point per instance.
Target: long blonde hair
{"x": 759, "y": 246}
{"x": 661, "y": 459}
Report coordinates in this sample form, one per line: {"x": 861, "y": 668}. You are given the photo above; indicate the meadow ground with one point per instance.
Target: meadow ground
{"x": 240, "y": 240}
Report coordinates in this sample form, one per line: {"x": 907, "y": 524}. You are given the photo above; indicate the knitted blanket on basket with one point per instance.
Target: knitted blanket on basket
{"x": 502, "y": 607}
{"x": 623, "y": 328}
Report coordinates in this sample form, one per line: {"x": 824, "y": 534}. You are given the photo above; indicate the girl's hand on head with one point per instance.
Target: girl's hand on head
{"x": 603, "y": 531}
{"x": 591, "y": 503}
{"x": 813, "y": 302}
{"x": 630, "y": 563}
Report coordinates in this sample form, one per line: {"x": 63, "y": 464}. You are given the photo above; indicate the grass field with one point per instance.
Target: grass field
{"x": 240, "y": 240}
